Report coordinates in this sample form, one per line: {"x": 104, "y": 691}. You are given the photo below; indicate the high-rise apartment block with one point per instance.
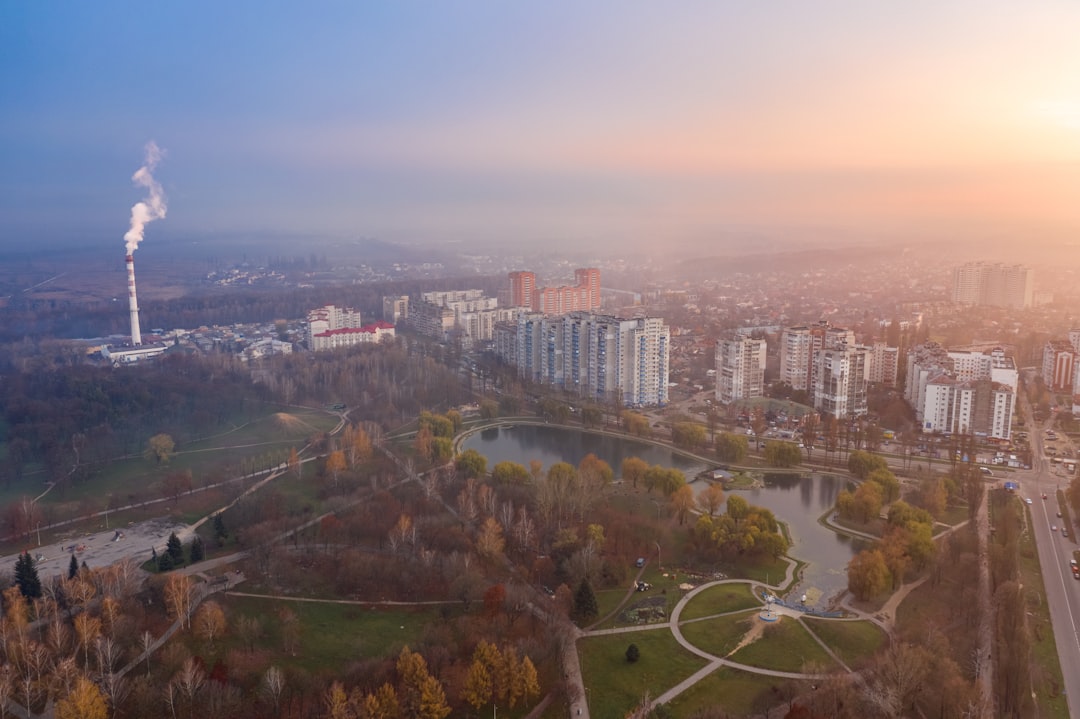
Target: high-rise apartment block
{"x": 1059, "y": 365}
{"x": 962, "y": 392}
{"x": 799, "y": 347}
{"x": 469, "y": 313}
{"x": 740, "y": 369}
{"x": 396, "y": 308}
{"x": 993, "y": 284}
{"x": 583, "y": 295}
{"x": 883, "y": 365}
{"x": 840, "y": 381}
{"x": 600, "y": 357}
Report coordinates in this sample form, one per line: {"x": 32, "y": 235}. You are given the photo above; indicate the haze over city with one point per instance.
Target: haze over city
{"x": 610, "y": 126}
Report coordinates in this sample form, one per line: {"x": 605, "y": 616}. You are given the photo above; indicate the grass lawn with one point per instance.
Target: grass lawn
{"x": 854, "y": 642}
{"x": 765, "y": 569}
{"x": 1046, "y": 679}
{"x": 720, "y": 635}
{"x": 718, "y": 600}
{"x": 734, "y": 690}
{"x": 954, "y": 515}
{"x": 330, "y": 635}
{"x": 787, "y": 646}
{"x": 615, "y": 685}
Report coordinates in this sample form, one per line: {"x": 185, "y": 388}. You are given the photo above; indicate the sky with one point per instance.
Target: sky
{"x": 608, "y": 123}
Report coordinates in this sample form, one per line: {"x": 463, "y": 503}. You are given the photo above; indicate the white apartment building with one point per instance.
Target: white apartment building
{"x": 883, "y": 364}
{"x": 395, "y": 308}
{"x": 800, "y": 345}
{"x": 993, "y": 284}
{"x": 840, "y": 381}
{"x": 740, "y": 369}
{"x": 467, "y": 312}
{"x": 330, "y": 317}
{"x": 979, "y": 407}
{"x": 965, "y": 392}
{"x": 349, "y": 336}
{"x": 602, "y": 357}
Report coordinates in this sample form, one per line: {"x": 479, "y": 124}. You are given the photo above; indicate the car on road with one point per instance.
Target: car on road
{"x": 1044, "y": 495}
{"x": 1053, "y": 527}
{"x": 1059, "y": 513}
{"x": 1027, "y": 500}
{"x": 1064, "y": 532}
{"x": 640, "y": 562}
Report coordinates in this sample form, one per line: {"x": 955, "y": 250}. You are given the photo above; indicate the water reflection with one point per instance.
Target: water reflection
{"x": 791, "y": 497}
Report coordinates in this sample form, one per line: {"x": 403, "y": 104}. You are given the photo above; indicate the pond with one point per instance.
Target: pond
{"x": 796, "y": 499}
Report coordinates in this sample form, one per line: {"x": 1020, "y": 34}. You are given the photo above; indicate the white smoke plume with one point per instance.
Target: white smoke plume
{"x": 153, "y": 207}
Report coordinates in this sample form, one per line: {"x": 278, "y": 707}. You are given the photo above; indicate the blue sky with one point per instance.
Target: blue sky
{"x": 601, "y": 122}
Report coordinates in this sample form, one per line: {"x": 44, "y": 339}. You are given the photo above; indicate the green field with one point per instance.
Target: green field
{"x": 739, "y": 693}
{"x": 330, "y": 636}
{"x": 719, "y": 600}
{"x": 720, "y": 635}
{"x": 786, "y": 646}
{"x": 853, "y": 641}
{"x": 616, "y": 685}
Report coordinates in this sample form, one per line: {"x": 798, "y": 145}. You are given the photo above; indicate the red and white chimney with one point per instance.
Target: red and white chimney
{"x": 133, "y": 304}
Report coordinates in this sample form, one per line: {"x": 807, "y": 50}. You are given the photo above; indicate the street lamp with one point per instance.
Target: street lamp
{"x": 659, "y": 564}
{"x": 39, "y": 534}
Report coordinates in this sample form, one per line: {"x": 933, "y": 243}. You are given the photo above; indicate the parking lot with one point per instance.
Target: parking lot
{"x": 101, "y": 549}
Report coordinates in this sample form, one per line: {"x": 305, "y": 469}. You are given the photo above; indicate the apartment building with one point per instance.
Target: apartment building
{"x": 349, "y": 336}
{"x": 330, "y": 317}
{"x": 396, "y": 308}
{"x": 583, "y": 295}
{"x": 600, "y": 357}
{"x": 1059, "y": 365}
{"x": 993, "y": 284}
{"x": 740, "y": 369}
{"x": 840, "y": 381}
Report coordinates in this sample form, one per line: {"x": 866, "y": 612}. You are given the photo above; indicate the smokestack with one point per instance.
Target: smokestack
{"x": 133, "y": 304}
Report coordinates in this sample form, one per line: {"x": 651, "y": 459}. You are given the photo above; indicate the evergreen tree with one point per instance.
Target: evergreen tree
{"x": 197, "y": 552}
{"x": 175, "y": 549}
{"x": 73, "y": 568}
{"x": 220, "y": 532}
{"x": 585, "y": 607}
{"x": 165, "y": 562}
{"x": 633, "y": 653}
{"x": 26, "y": 576}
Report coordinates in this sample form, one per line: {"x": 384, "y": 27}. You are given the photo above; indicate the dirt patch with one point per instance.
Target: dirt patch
{"x": 290, "y": 424}
{"x": 757, "y": 629}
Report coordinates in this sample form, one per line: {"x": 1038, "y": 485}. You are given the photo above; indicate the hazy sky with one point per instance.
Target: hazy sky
{"x": 616, "y": 122}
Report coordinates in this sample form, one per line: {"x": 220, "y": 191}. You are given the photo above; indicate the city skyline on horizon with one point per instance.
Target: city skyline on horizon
{"x": 607, "y": 126}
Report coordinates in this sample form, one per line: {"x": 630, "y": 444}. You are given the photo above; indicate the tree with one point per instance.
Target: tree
{"x": 633, "y": 653}
{"x": 494, "y": 598}
{"x": 175, "y": 549}
{"x": 683, "y": 502}
{"x": 782, "y": 454}
{"x": 868, "y": 500}
{"x": 737, "y": 507}
{"x": 711, "y": 499}
{"x": 510, "y": 473}
{"x": 422, "y": 695}
{"x": 471, "y": 463}
{"x": 890, "y": 485}
{"x": 731, "y": 447}
{"x": 478, "y": 687}
{"x": 490, "y": 542}
{"x": 176, "y": 483}
{"x": 585, "y": 606}
{"x": 159, "y": 448}
{"x": 335, "y": 464}
{"x": 868, "y": 574}
{"x": 26, "y": 576}
{"x": 489, "y": 409}
{"x": 689, "y": 435}
{"x": 209, "y": 622}
{"x": 84, "y": 701}
{"x": 221, "y": 533}
{"x": 198, "y": 552}
{"x": 294, "y": 463}
{"x": 633, "y": 470}
{"x": 73, "y": 567}
{"x": 179, "y": 595}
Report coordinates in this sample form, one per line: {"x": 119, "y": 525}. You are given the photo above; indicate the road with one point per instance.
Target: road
{"x": 1055, "y": 551}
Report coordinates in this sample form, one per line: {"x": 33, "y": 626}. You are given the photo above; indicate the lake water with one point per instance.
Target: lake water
{"x": 796, "y": 499}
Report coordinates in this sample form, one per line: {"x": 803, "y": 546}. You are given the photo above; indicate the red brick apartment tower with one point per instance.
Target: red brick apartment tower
{"x": 522, "y": 288}
{"x": 588, "y": 279}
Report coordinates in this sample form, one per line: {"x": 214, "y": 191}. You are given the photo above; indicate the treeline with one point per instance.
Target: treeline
{"x": 83, "y": 415}
{"x": 23, "y": 318}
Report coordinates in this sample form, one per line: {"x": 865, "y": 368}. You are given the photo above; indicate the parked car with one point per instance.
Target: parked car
{"x": 640, "y": 562}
